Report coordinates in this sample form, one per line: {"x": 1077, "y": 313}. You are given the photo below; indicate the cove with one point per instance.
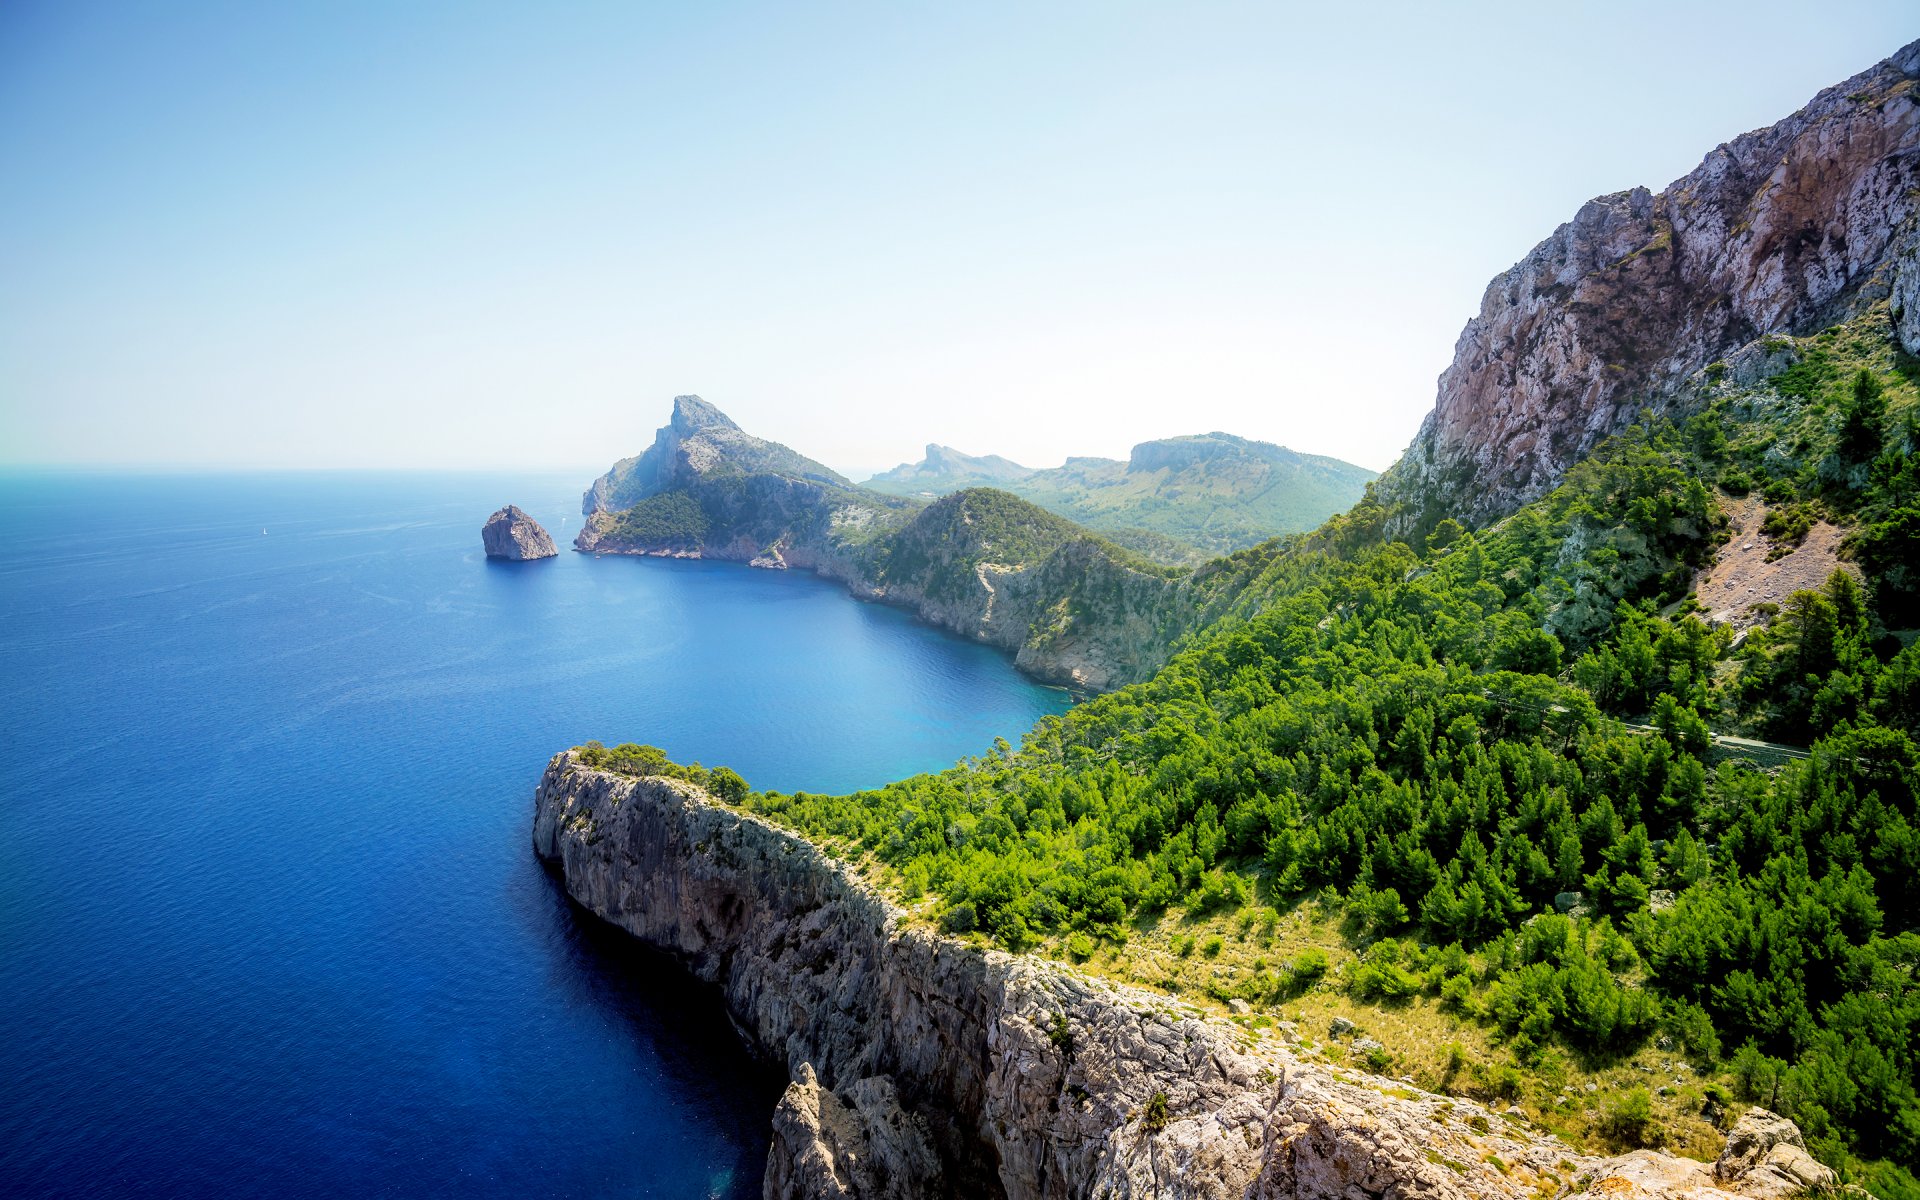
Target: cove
{"x": 269, "y": 920}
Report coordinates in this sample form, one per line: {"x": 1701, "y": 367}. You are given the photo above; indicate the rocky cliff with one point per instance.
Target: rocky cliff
{"x": 924, "y": 1067}
{"x": 1784, "y": 230}
{"x": 512, "y": 534}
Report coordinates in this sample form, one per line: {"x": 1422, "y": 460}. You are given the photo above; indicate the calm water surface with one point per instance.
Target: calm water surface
{"x": 269, "y": 922}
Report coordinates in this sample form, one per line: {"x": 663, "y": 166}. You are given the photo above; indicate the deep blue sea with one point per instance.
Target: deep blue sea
{"x": 269, "y": 920}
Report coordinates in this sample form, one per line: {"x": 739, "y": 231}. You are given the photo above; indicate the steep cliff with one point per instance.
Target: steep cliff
{"x": 1785, "y": 230}
{"x": 925, "y": 1067}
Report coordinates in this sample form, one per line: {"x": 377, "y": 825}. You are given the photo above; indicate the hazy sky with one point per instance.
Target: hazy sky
{"x": 477, "y": 235}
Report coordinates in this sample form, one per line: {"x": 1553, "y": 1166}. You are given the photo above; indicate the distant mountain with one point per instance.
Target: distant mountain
{"x": 945, "y": 470}
{"x": 1179, "y": 499}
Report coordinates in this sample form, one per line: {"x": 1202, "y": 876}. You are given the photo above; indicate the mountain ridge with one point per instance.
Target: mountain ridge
{"x": 1181, "y": 499}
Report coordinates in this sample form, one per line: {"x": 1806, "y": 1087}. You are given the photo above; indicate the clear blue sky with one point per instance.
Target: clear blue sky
{"x": 480, "y": 235}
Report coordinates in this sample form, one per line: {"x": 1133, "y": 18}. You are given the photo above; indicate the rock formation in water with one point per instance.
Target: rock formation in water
{"x": 1782, "y": 231}
{"x": 511, "y": 533}
{"x": 925, "y": 1067}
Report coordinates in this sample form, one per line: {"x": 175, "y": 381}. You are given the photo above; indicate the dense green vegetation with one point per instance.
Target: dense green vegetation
{"x": 629, "y": 758}
{"x": 668, "y": 521}
{"x": 1493, "y": 750}
{"x": 940, "y": 549}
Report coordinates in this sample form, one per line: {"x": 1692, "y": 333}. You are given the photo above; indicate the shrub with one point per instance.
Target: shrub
{"x": 1629, "y": 1117}
{"x": 1155, "y": 1117}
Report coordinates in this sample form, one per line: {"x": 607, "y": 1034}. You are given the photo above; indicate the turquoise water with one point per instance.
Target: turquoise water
{"x": 269, "y": 921}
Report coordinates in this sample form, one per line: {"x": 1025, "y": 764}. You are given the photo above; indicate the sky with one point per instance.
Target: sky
{"x": 481, "y": 236}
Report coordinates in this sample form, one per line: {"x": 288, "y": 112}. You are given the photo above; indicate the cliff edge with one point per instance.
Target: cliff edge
{"x": 923, "y": 1067}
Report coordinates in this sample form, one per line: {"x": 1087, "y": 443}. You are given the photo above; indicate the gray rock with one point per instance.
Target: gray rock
{"x": 1573, "y": 904}
{"x": 1766, "y": 1157}
{"x": 828, "y": 1147}
{"x": 512, "y": 534}
{"x": 1341, "y": 1027}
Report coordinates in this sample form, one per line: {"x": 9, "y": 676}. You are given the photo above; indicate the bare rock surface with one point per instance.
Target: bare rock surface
{"x": 1783, "y": 230}
{"x": 926, "y": 1067}
{"x": 1740, "y": 577}
{"x": 511, "y": 533}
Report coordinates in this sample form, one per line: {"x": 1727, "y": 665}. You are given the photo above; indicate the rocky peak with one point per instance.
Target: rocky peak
{"x": 1783, "y": 230}
{"x": 698, "y": 440}
{"x": 691, "y": 415}
{"x": 942, "y": 458}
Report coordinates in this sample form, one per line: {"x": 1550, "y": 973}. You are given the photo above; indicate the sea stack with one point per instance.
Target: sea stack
{"x": 511, "y": 533}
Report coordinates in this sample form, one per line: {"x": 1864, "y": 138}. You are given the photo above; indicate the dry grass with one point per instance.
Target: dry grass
{"x": 1425, "y": 1047}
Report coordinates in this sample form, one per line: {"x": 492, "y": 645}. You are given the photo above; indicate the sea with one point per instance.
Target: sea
{"x": 270, "y": 922}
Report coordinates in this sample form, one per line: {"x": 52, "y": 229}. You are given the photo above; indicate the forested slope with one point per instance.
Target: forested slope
{"x": 1425, "y": 744}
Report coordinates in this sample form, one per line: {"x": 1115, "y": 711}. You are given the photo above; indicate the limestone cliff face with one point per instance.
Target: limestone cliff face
{"x": 924, "y": 1067}
{"x": 1783, "y": 230}
{"x": 512, "y": 534}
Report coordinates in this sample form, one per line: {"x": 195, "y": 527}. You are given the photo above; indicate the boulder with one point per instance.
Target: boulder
{"x": 1766, "y": 1157}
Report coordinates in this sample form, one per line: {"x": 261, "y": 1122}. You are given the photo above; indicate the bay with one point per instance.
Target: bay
{"x": 269, "y": 919}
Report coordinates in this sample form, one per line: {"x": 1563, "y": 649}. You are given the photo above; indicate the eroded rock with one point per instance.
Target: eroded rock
{"x": 512, "y": 534}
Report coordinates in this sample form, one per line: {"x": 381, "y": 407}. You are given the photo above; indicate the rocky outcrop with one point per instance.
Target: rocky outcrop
{"x": 924, "y": 1067}
{"x": 511, "y": 533}
{"x": 1784, "y": 230}
{"x": 1767, "y": 1155}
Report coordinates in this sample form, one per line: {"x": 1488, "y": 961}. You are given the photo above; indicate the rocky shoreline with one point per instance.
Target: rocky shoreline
{"x": 922, "y": 1066}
